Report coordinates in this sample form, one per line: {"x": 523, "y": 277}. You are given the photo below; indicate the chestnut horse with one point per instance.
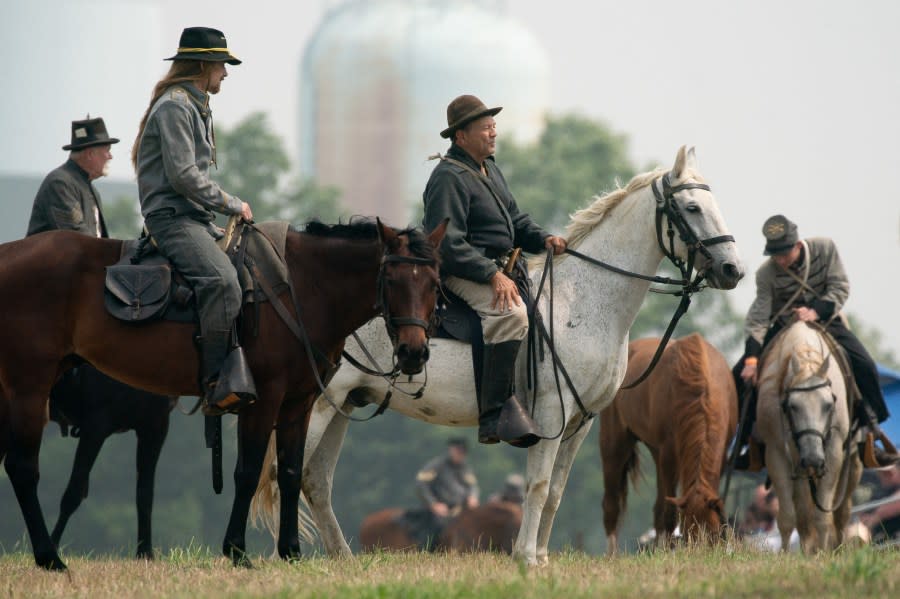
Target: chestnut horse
{"x": 492, "y": 526}
{"x": 341, "y": 276}
{"x": 686, "y": 414}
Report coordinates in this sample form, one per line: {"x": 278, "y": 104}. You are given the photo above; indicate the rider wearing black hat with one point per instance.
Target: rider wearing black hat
{"x": 67, "y": 198}
{"x": 174, "y": 149}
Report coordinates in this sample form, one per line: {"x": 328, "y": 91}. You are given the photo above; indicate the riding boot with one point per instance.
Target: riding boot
{"x": 871, "y": 454}
{"x": 501, "y": 416}
{"x": 226, "y": 381}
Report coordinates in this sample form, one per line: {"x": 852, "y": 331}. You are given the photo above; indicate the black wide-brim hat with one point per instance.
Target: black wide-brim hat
{"x": 204, "y": 43}
{"x": 87, "y": 133}
{"x": 463, "y": 110}
{"x": 780, "y": 233}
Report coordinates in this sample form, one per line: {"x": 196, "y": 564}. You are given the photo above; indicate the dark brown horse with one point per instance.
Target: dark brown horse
{"x": 492, "y": 526}
{"x": 51, "y": 295}
{"x": 92, "y": 407}
{"x": 686, "y": 414}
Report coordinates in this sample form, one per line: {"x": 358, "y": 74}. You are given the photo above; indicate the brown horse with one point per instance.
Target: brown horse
{"x": 686, "y": 414}
{"x": 341, "y": 276}
{"x": 492, "y": 526}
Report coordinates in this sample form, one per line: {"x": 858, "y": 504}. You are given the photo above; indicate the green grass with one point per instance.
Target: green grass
{"x": 199, "y": 572}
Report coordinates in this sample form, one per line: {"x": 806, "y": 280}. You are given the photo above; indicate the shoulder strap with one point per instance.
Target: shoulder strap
{"x": 487, "y": 182}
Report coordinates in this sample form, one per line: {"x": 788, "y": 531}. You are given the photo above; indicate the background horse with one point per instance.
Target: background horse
{"x": 803, "y": 418}
{"x": 594, "y": 310}
{"x": 95, "y": 407}
{"x": 51, "y": 293}
{"x": 685, "y": 412}
{"x": 492, "y": 526}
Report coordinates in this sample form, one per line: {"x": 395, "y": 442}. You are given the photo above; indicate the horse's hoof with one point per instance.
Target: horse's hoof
{"x": 52, "y": 563}
{"x": 291, "y": 555}
{"x": 241, "y": 561}
{"x": 145, "y": 554}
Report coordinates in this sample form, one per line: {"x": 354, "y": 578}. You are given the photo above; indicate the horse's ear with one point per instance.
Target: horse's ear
{"x": 686, "y": 159}
{"x": 386, "y": 235}
{"x": 436, "y": 236}
{"x": 823, "y": 369}
{"x": 678, "y": 502}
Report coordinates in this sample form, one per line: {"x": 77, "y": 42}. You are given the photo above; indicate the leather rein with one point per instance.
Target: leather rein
{"x": 314, "y": 354}
{"x": 675, "y": 221}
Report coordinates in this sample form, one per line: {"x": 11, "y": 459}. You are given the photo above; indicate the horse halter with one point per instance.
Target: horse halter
{"x": 392, "y": 323}
{"x": 785, "y": 408}
{"x": 665, "y": 205}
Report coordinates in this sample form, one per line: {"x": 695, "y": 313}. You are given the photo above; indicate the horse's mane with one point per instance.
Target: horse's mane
{"x": 698, "y": 424}
{"x": 366, "y": 229}
{"x": 584, "y": 220}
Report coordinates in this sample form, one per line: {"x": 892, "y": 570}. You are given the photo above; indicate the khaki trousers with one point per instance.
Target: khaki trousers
{"x": 498, "y": 325}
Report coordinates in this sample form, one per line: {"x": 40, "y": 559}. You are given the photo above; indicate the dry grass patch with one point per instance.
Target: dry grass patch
{"x": 686, "y": 573}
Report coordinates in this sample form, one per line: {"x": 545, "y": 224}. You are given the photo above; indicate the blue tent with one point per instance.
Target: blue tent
{"x": 890, "y": 385}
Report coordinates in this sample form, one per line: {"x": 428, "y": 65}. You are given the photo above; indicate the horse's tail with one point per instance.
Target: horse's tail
{"x": 265, "y": 504}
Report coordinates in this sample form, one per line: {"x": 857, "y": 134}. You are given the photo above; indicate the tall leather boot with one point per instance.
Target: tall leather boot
{"x": 226, "y": 380}
{"x": 501, "y": 416}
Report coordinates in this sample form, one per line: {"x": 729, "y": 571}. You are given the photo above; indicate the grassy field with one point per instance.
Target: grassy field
{"x": 685, "y": 573}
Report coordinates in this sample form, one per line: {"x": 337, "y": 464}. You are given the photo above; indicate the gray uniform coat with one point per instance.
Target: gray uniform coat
{"x": 827, "y": 293}
{"x": 442, "y": 480}
{"x": 68, "y": 200}
{"x": 480, "y": 227}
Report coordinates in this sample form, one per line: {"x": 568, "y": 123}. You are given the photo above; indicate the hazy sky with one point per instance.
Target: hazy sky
{"x": 792, "y": 105}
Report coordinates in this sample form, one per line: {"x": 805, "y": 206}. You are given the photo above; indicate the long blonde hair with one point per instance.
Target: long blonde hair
{"x": 180, "y": 72}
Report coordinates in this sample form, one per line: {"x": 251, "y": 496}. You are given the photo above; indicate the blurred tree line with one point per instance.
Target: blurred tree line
{"x": 575, "y": 159}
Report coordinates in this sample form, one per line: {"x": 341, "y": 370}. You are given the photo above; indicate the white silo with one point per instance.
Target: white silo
{"x": 376, "y": 79}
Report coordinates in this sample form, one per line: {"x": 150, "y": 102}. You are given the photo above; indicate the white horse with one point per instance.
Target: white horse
{"x": 804, "y": 420}
{"x": 593, "y": 311}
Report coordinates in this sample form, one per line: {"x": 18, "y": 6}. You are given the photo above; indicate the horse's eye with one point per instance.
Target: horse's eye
{"x": 693, "y": 207}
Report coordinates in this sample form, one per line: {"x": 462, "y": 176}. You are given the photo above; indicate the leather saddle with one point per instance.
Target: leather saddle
{"x": 143, "y": 285}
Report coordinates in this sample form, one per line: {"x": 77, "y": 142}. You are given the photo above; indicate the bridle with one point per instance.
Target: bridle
{"x": 825, "y": 436}
{"x": 664, "y": 193}
{"x": 786, "y": 410}
{"x": 392, "y": 324}
{"x": 383, "y": 306}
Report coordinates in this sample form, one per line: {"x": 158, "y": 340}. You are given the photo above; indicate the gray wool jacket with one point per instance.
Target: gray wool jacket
{"x": 67, "y": 200}
{"x": 481, "y": 226}
{"x": 828, "y": 290}
{"x": 174, "y": 156}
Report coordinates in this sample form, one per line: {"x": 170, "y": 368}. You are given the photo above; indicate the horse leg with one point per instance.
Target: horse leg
{"x": 26, "y": 423}
{"x": 541, "y": 458}
{"x": 150, "y": 440}
{"x": 321, "y": 457}
{"x": 784, "y": 489}
{"x": 565, "y": 456}
{"x": 665, "y": 514}
{"x": 293, "y": 422}
{"x": 842, "y": 514}
{"x": 89, "y": 445}
{"x": 617, "y": 452}
{"x": 255, "y": 424}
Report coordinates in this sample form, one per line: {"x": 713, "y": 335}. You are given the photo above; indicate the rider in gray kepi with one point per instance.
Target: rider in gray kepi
{"x": 805, "y": 279}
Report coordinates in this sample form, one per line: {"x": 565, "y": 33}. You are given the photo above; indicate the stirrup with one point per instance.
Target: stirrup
{"x": 874, "y": 457}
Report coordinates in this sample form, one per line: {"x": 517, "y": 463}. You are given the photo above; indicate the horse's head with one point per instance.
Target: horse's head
{"x": 809, "y": 405}
{"x": 407, "y": 296}
{"x": 702, "y": 514}
{"x": 690, "y": 229}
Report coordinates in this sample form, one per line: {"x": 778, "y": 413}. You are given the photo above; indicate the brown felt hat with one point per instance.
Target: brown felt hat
{"x": 780, "y": 233}
{"x": 463, "y": 110}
